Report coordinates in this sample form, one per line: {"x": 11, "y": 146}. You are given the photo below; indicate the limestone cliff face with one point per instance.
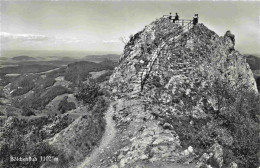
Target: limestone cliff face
{"x": 168, "y": 71}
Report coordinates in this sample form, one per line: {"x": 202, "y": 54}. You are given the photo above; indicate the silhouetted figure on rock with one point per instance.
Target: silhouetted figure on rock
{"x": 170, "y": 17}
{"x": 176, "y": 18}
{"x": 195, "y": 19}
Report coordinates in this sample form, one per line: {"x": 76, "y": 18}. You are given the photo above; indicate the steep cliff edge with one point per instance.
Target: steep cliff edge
{"x": 177, "y": 93}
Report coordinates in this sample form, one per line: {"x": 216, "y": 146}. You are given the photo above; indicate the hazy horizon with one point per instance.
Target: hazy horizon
{"x": 60, "y": 53}
{"x": 57, "y": 53}
{"x": 96, "y": 26}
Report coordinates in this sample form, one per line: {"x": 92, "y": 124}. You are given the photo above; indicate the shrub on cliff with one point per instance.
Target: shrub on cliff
{"x": 88, "y": 93}
{"x": 234, "y": 125}
{"x": 25, "y": 137}
{"x": 65, "y": 106}
{"x": 26, "y": 111}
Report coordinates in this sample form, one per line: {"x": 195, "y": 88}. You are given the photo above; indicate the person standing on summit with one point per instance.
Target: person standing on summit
{"x": 170, "y": 17}
{"x": 195, "y": 19}
{"x": 176, "y": 17}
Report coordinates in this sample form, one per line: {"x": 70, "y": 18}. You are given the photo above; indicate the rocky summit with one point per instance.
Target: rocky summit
{"x": 176, "y": 92}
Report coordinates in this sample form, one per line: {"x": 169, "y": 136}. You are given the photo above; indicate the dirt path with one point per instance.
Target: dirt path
{"x": 107, "y": 138}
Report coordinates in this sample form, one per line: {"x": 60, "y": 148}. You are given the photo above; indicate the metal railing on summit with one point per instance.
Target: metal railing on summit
{"x": 188, "y": 26}
{"x": 185, "y": 23}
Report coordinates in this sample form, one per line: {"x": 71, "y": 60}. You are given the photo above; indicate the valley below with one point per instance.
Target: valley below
{"x": 43, "y": 102}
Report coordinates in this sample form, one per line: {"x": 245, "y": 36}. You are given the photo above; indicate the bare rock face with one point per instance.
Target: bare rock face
{"x": 171, "y": 72}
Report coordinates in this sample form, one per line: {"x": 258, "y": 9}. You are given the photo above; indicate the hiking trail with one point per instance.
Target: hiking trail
{"x": 107, "y": 138}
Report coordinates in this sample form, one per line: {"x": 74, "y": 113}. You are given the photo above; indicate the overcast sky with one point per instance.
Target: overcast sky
{"x": 97, "y": 26}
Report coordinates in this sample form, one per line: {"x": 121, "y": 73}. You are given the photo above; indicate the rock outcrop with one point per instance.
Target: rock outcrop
{"x": 166, "y": 78}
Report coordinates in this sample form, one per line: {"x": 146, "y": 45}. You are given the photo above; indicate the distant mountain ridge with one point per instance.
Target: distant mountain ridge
{"x": 23, "y": 58}
{"x": 22, "y": 69}
{"x": 253, "y": 61}
{"x": 100, "y": 58}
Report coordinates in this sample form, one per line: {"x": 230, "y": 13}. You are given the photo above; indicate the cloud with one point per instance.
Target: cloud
{"x": 9, "y": 37}
{"x": 6, "y": 37}
{"x": 12, "y": 41}
{"x": 111, "y": 41}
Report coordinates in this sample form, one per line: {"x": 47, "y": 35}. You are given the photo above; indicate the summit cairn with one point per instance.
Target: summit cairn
{"x": 172, "y": 88}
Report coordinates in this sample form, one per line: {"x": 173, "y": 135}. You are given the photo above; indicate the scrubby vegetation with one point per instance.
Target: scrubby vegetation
{"x": 49, "y": 95}
{"x": 234, "y": 125}
{"x": 88, "y": 93}
{"x": 27, "y": 126}
{"x": 239, "y": 114}
{"x": 65, "y": 106}
{"x": 95, "y": 128}
{"x": 27, "y": 82}
{"x": 2, "y": 95}
{"x": 24, "y": 138}
{"x": 27, "y": 111}
{"x": 47, "y": 82}
{"x": 12, "y": 111}
{"x": 103, "y": 77}
{"x": 40, "y": 98}
{"x": 97, "y": 115}
{"x": 5, "y": 80}
{"x": 84, "y": 140}
{"x": 23, "y": 84}
{"x": 79, "y": 71}
{"x": 108, "y": 63}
